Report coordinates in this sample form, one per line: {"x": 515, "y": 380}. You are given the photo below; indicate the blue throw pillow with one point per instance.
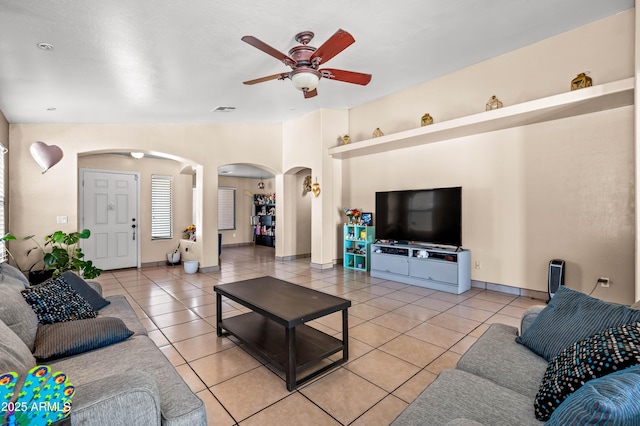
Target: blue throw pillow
{"x": 603, "y": 353}
{"x": 64, "y": 339}
{"x": 610, "y": 400}
{"x": 572, "y": 316}
{"x": 96, "y": 301}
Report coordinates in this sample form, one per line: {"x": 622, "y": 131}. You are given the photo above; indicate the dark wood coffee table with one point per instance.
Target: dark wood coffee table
{"x": 276, "y": 328}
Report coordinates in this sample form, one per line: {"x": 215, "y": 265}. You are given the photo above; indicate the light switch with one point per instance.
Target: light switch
{"x": 61, "y": 219}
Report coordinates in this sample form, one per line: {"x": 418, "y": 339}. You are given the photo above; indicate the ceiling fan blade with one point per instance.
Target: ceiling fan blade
{"x": 259, "y": 44}
{"x": 280, "y": 76}
{"x": 336, "y": 44}
{"x": 310, "y": 93}
{"x": 346, "y": 76}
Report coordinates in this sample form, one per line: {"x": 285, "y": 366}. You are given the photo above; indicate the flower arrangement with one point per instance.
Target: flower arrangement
{"x": 189, "y": 233}
{"x": 354, "y": 215}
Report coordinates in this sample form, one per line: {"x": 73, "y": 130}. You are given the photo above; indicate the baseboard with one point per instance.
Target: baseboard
{"x": 322, "y": 265}
{"x": 293, "y": 257}
{"x": 516, "y": 291}
{"x": 215, "y": 268}
{"x": 237, "y": 245}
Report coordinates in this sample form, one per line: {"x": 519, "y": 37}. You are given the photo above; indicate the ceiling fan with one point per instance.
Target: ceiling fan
{"x": 304, "y": 61}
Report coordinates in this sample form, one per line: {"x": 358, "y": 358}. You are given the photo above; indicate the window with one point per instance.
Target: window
{"x": 194, "y": 196}
{"x": 161, "y": 207}
{"x": 226, "y": 209}
{"x": 3, "y": 250}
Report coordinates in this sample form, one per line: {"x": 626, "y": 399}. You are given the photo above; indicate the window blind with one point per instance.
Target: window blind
{"x": 161, "y": 207}
{"x": 3, "y": 213}
{"x": 226, "y": 209}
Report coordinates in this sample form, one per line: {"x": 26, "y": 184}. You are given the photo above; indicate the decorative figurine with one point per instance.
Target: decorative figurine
{"x": 306, "y": 185}
{"x": 581, "y": 81}
{"x": 316, "y": 188}
{"x": 346, "y": 140}
{"x": 426, "y": 120}
{"x": 494, "y": 103}
{"x": 377, "y": 133}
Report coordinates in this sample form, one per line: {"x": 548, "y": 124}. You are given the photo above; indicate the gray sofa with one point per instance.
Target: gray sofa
{"x": 576, "y": 361}
{"x": 494, "y": 383}
{"x": 126, "y": 383}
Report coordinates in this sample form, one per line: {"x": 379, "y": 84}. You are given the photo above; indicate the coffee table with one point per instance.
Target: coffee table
{"x": 276, "y": 328}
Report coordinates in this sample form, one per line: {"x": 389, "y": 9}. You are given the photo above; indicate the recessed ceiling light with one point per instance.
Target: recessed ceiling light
{"x": 137, "y": 155}
{"x": 45, "y": 46}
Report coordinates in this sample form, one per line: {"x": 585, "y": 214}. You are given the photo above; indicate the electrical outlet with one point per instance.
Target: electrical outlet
{"x": 61, "y": 219}
{"x": 604, "y": 282}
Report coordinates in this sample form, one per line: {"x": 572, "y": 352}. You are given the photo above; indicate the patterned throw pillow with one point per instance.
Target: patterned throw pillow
{"x": 612, "y": 400}
{"x": 75, "y": 337}
{"x": 611, "y": 350}
{"x": 55, "y": 301}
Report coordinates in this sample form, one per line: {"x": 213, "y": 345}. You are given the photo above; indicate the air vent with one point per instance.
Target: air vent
{"x": 223, "y": 109}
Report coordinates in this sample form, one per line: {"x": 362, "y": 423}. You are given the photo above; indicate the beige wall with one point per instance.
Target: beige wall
{"x": 4, "y": 140}
{"x": 305, "y": 143}
{"x": 151, "y": 250}
{"x": 245, "y": 189}
{"x": 561, "y": 189}
{"x": 303, "y": 202}
{"x": 37, "y": 198}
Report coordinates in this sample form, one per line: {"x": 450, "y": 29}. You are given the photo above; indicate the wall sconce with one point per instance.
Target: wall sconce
{"x": 315, "y": 188}
{"x": 45, "y": 155}
{"x": 261, "y": 184}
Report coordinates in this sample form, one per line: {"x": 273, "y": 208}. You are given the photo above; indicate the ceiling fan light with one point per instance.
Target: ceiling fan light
{"x": 305, "y": 80}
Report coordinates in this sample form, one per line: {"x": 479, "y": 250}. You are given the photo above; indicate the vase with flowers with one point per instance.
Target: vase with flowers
{"x": 354, "y": 215}
{"x": 189, "y": 233}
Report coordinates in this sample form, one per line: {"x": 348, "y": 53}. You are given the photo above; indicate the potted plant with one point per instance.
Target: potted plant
{"x": 60, "y": 253}
{"x": 65, "y": 255}
{"x": 10, "y": 237}
{"x": 35, "y": 276}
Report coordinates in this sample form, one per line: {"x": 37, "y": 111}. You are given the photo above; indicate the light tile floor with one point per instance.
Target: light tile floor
{"x": 400, "y": 338}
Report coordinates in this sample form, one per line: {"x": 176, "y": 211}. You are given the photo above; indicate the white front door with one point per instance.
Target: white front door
{"x": 109, "y": 209}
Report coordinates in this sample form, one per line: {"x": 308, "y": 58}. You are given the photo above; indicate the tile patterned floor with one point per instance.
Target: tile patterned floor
{"x": 401, "y": 338}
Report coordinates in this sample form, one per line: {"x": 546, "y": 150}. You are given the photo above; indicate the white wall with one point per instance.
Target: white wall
{"x": 561, "y": 189}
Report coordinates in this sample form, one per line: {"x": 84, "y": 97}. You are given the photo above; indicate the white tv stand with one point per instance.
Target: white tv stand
{"x": 431, "y": 267}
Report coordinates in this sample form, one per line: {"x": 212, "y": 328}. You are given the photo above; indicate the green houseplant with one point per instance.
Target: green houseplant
{"x": 65, "y": 255}
{"x": 60, "y": 253}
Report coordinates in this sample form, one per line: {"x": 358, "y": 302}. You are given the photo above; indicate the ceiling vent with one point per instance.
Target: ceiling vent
{"x": 223, "y": 109}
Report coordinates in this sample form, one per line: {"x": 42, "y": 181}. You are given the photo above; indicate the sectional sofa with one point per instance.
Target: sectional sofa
{"x": 575, "y": 362}
{"x": 120, "y": 375}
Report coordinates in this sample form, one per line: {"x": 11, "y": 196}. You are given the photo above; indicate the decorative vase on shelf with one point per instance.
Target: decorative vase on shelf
{"x": 493, "y": 103}
{"x": 581, "y": 81}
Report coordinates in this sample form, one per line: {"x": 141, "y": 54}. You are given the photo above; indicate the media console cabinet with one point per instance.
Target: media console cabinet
{"x": 431, "y": 267}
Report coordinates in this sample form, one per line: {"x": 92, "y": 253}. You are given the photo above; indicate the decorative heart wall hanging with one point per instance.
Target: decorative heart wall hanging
{"x": 45, "y": 155}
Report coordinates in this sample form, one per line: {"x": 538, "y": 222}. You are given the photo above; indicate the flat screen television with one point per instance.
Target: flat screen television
{"x": 431, "y": 216}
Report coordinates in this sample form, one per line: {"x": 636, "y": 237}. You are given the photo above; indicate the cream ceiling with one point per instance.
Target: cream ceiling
{"x": 168, "y": 61}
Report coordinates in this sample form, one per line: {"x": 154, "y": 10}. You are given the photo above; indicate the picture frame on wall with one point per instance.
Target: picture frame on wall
{"x": 367, "y": 219}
